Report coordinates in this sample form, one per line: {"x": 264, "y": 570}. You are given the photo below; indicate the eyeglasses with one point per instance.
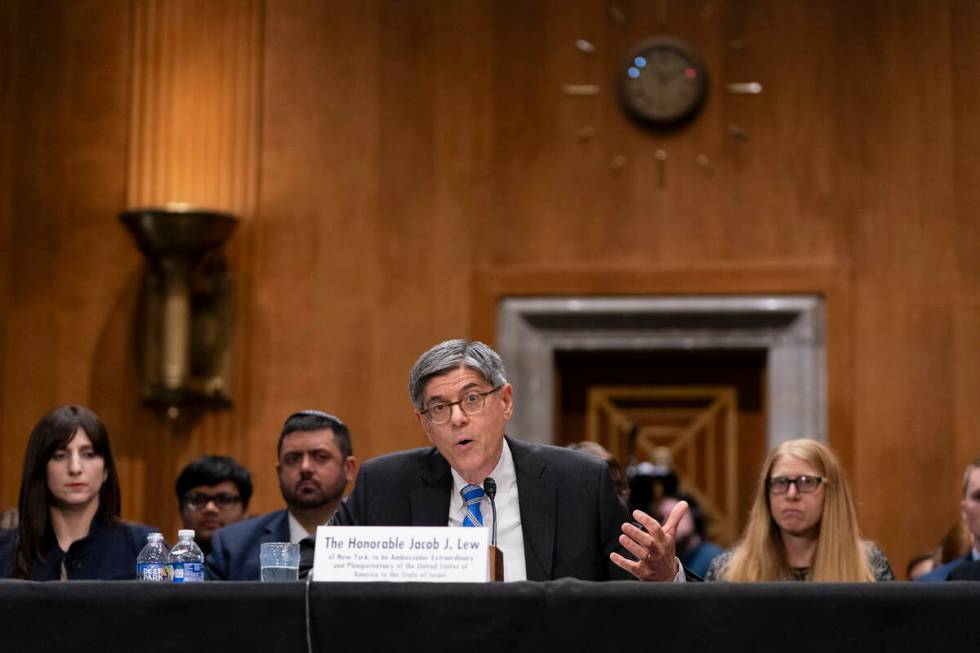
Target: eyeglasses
{"x": 471, "y": 404}
{"x": 223, "y": 500}
{"x": 804, "y": 484}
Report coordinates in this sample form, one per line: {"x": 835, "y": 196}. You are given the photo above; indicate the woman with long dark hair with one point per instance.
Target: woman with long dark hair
{"x": 69, "y": 506}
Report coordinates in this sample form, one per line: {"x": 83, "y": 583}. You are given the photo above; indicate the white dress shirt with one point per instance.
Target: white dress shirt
{"x": 510, "y": 536}
{"x": 296, "y": 530}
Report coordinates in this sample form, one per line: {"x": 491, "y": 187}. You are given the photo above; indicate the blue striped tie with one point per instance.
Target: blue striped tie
{"x": 472, "y": 495}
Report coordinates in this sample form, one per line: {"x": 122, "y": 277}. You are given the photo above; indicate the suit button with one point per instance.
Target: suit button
{"x": 77, "y": 564}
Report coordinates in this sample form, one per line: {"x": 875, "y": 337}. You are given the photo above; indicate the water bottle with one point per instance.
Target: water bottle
{"x": 153, "y": 563}
{"x": 186, "y": 559}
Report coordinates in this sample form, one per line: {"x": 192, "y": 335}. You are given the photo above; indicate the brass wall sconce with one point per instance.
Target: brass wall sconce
{"x": 186, "y": 310}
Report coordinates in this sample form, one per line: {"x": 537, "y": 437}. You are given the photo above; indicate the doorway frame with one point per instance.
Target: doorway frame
{"x": 828, "y": 282}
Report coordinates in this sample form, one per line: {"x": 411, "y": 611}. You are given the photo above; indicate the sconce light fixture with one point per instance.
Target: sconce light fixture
{"x": 186, "y": 309}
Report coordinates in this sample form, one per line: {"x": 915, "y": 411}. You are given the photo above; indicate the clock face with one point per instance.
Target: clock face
{"x": 664, "y": 82}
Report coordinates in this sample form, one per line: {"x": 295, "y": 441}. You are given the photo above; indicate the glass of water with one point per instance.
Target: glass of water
{"x": 279, "y": 561}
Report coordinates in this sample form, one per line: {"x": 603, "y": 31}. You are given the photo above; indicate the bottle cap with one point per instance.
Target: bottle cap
{"x": 186, "y": 532}
{"x": 155, "y": 536}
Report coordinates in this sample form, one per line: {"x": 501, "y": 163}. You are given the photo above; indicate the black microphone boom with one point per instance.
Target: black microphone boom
{"x": 490, "y": 487}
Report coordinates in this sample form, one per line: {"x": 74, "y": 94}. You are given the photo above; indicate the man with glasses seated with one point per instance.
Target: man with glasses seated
{"x": 315, "y": 463}
{"x": 213, "y": 492}
{"x": 557, "y": 509}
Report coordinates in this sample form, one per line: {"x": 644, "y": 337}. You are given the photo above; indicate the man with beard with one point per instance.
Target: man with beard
{"x": 314, "y": 466}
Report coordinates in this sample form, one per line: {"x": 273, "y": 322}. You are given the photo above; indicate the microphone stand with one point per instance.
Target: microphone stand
{"x": 496, "y": 556}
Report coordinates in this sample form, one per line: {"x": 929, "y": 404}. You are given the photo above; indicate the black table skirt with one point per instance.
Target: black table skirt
{"x": 572, "y": 615}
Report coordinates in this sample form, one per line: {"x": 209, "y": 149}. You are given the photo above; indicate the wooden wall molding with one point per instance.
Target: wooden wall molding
{"x": 195, "y": 110}
{"x": 830, "y": 281}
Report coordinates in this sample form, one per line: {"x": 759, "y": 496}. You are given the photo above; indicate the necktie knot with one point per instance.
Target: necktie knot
{"x": 472, "y": 496}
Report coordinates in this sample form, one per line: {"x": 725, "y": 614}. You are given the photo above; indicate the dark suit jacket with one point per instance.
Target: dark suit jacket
{"x": 942, "y": 573}
{"x": 108, "y": 552}
{"x": 570, "y": 513}
{"x": 235, "y": 548}
{"x": 966, "y": 571}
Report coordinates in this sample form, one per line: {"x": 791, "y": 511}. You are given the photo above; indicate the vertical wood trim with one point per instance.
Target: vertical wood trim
{"x": 195, "y": 103}
{"x": 195, "y": 116}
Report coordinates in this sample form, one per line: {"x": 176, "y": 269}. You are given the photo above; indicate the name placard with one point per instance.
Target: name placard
{"x": 427, "y": 554}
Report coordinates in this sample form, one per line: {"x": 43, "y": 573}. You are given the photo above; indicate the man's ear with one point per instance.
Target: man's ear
{"x": 507, "y": 397}
{"x": 424, "y": 423}
{"x": 350, "y": 464}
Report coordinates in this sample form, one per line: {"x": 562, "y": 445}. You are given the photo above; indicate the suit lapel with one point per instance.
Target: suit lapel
{"x": 539, "y": 503}
{"x": 279, "y": 528}
{"x": 430, "y": 501}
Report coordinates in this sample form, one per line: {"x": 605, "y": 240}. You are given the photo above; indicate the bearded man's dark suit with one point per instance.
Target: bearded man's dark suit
{"x": 570, "y": 513}
{"x": 235, "y": 548}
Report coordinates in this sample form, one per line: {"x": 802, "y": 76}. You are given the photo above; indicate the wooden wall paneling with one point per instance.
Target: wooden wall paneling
{"x": 67, "y": 108}
{"x": 9, "y": 58}
{"x": 905, "y": 276}
{"x": 316, "y": 281}
{"x": 417, "y": 237}
{"x": 435, "y": 204}
{"x": 965, "y": 22}
{"x": 194, "y": 138}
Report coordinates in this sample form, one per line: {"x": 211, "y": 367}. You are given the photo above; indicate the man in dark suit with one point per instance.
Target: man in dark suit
{"x": 315, "y": 463}
{"x": 970, "y": 513}
{"x": 557, "y": 509}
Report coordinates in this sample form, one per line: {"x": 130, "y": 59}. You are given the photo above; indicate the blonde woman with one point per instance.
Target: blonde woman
{"x": 803, "y": 525}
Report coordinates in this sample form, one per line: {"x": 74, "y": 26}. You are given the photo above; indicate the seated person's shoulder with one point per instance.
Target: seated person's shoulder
{"x": 564, "y": 459}
{"x": 245, "y": 526}
{"x": 878, "y": 561}
{"x": 966, "y": 571}
{"x": 942, "y": 572}
{"x": 719, "y": 564}
{"x": 137, "y": 532}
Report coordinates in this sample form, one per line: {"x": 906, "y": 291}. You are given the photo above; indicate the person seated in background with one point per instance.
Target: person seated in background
{"x": 69, "y": 506}
{"x": 803, "y": 525}
{"x": 970, "y": 515}
{"x": 693, "y": 548}
{"x": 921, "y": 565}
{"x": 315, "y": 464}
{"x": 615, "y": 468}
{"x": 651, "y": 480}
{"x": 213, "y": 491}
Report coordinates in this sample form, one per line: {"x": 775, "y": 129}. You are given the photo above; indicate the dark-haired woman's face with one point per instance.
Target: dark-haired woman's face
{"x": 76, "y": 472}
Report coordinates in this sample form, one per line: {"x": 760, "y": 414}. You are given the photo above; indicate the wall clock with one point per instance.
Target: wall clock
{"x": 663, "y": 83}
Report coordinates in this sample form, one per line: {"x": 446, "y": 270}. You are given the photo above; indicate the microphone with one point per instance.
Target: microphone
{"x": 490, "y": 487}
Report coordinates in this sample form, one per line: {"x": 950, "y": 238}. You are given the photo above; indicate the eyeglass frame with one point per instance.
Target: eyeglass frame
{"x": 449, "y": 404}
{"x": 222, "y": 500}
{"x": 795, "y": 482}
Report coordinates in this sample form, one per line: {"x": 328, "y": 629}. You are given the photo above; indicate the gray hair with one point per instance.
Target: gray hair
{"x": 450, "y": 355}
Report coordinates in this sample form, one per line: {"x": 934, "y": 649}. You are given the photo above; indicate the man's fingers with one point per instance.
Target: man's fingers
{"x": 674, "y": 518}
{"x": 625, "y": 564}
{"x": 640, "y": 552}
{"x": 643, "y": 537}
{"x": 646, "y": 521}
